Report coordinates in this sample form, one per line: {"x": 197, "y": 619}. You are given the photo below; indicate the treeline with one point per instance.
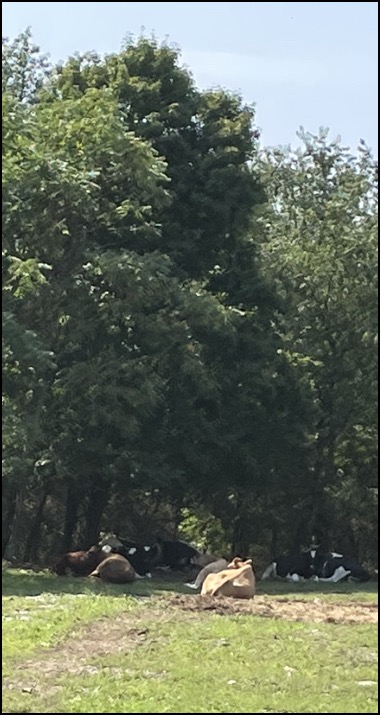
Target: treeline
{"x": 189, "y": 321}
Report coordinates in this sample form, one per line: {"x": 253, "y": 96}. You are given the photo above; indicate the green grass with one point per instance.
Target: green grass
{"x": 72, "y": 646}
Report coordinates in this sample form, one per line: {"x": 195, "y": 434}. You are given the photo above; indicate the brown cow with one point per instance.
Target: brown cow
{"x": 236, "y": 581}
{"x": 80, "y": 563}
{"x": 115, "y": 569}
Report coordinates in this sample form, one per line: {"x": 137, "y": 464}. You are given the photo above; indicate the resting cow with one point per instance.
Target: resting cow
{"x": 174, "y": 554}
{"x": 79, "y": 563}
{"x": 171, "y": 554}
{"x": 115, "y": 569}
{"x": 292, "y": 566}
{"x": 140, "y": 557}
{"x": 334, "y": 567}
{"x": 213, "y": 567}
{"x": 236, "y": 581}
{"x": 203, "y": 560}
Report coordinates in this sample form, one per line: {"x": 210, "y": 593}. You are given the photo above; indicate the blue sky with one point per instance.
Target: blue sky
{"x": 301, "y": 63}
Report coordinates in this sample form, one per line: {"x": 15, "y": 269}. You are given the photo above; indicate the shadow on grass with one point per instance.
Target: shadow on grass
{"x": 22, "y": 582}
{"x": 282, "y": 588}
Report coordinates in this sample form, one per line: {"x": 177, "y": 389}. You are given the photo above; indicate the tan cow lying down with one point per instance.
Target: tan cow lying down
{"x": 115, "y": 569}
{"x": 236, "y": 581}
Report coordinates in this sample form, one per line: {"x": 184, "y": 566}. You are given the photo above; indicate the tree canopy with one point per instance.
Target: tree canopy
{"x": 189, "y": 322}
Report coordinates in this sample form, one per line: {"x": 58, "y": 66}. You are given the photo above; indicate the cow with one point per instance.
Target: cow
{"x": 115, "y": 569}
{"x": 170, "y": 554}
{"x": 333, "y": 567}
{"x": 213, "y": 567}
{"x": 174, "y": 554}
{"x": 236, "y": 581}
{"x": 79, "y": 563}
{"x": 140, "y": 557}
{"x": 204, "y": 559}
{"x": 293, "y": 566}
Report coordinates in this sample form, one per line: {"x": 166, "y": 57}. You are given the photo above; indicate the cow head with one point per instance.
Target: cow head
{"x": 109, "y": 539}
{"x": 319, "y": 561}
{"x": 238, "y": 562}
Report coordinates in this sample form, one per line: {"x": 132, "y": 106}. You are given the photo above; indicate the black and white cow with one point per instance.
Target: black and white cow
{"x": 315, "y": 563}
{"x": 293, "y": 566}
{"x": 139, "y": 556}
{"x": 174, "y": 554}
{"x": 334, "y": 567}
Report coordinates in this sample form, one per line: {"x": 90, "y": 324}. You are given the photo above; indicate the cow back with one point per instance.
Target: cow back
{"x": 79, "y": 563}
{"x": 330, "y": 562}
{"x": 203, "y": 560}
{"x": 140, "y": 557}
{"x": 115, "y": 569}
{"x": 175, "y": 554}
{"x": 214, "y": 567}
{"x": 236, "y": 581}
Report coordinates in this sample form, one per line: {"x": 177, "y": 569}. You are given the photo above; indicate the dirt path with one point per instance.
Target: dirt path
{"x": 314, "y": 610}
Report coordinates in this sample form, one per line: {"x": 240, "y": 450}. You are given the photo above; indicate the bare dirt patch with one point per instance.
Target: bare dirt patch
{"x": 101, "y": 638}
{"x": 314, "y": 610}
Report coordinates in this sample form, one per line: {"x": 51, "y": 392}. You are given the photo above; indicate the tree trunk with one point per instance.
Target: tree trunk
{"x": 177, "y": 515}
{"x": 352, "y": 545}
{"x": 300, "y": 535}
{"x": 10, "y": 511}
{"x": 273, "y": 546}
{"x": 33, "y": 540}
{"x": 97, "y": 503}
{"x": 240, "y": 545}
{"x": 71, "y": 518}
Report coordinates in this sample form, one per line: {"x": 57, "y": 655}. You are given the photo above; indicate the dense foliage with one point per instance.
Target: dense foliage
{"x": 189, "y": 323}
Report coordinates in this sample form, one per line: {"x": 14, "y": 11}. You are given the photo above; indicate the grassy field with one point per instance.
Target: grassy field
{"x": 74, "y": 646}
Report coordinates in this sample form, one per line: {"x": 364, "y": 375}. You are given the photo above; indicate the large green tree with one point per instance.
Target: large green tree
{"x": 142, "y": 355}
{"x": 206, "y": 138}
{"x": 322, "y": 251}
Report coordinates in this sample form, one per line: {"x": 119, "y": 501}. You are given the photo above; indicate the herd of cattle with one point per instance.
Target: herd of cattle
{"x": 137, "y": 559}
{"x": 120, "y": 561}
